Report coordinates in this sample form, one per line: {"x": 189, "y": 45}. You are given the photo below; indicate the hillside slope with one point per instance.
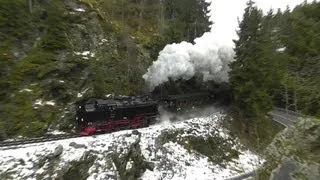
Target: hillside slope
{"x": 196, "y": 148}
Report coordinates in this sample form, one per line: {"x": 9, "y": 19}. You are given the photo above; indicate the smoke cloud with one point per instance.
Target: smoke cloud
{"x": 185, "y": 60}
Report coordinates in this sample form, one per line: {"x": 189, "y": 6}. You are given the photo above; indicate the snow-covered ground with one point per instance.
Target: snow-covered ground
{"x": 170, "y": 159}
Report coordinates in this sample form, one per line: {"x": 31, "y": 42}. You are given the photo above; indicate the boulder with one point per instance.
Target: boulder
{"x": 77, "y": 146}
{"x": 58, "y": 151}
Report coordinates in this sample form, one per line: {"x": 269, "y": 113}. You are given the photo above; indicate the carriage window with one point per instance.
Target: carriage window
{"x": 90, "y": 107}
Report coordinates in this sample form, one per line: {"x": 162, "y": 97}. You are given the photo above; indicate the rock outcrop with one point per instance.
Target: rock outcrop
{"x": 295, "y": 152}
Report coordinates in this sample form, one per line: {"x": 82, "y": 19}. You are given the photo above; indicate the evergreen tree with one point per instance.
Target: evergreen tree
{"x": 299, "y": 34}
{"x": 187, "y": 19}
{"x": 250, "y": 76}
{"x": 277, "y": 58}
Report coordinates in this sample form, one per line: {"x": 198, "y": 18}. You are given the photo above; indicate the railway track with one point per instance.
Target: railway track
{"x": 15, "y": 143}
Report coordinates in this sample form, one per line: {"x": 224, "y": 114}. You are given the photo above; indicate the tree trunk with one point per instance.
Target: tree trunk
{"x": 295, "y": 100}
{"x": 195, "y": 29}
{"x": 161, "y": 18}
{"x": 188, "y": 34}
{"x": 140, "y": 14}
{"x": 30, "y": 5}
{"x": 128, "y": 67}
{"x": 286, "y": 96}
{"x": 122, "y": 11}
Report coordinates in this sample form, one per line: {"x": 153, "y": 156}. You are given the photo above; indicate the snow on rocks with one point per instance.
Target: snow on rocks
{"x": 282, "y": 49}
{"x": 80, "y": 94}
{"x": 157, "y": 152}
{"x": 103, "y": 41}
{"x": 51, "y": 103}
{"x": 25, "y": 90}
{"x": 39, "y": 102}
{"x": 79, "y": 10}
{"x": 85, "y": 54}
{"x": 55, "y": 132}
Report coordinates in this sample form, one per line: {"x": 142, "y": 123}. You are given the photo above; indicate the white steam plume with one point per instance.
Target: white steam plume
{"x": 185, "y": 60}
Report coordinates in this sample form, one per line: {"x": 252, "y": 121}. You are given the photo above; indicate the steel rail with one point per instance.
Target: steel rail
{"x": 19, "y": 142}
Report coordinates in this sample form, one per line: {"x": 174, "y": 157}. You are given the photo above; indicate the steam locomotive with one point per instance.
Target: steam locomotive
{"x": 129, "y": 112}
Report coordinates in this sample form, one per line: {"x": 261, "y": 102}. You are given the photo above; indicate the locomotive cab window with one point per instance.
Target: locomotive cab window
{"x": 90, "y": 107}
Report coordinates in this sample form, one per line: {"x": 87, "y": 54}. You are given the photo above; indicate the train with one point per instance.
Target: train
{"x": 107, "y": 115}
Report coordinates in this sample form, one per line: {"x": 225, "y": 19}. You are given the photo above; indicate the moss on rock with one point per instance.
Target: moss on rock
{"x": 218, "y": 149}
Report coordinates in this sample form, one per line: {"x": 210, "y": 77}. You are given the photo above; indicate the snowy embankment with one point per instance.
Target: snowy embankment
{"x": 189, "y": 149}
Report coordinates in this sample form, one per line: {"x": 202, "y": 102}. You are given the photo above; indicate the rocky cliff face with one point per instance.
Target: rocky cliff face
{"x": 61, "y": 52}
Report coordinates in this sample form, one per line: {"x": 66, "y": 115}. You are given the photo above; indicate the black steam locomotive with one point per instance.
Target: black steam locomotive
{"x": 114, "y": 114}
{"x": 128, "y": 112}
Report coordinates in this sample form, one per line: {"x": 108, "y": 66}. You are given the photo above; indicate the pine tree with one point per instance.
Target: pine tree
{"x": 250, "y": 74}
{"x": 299, "y": 34}
{"x": 187, "y": 19}
{"x": 278, "y": 59}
